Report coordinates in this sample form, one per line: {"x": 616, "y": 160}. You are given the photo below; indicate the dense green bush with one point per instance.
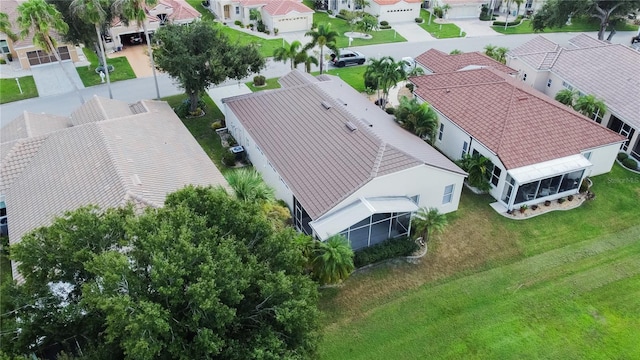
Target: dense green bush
{"x": 340, "y": 16}
{"x": 259, "y": 80}
{"x": 410, "y": 86}
{"x": 343, "y": 12}
{"x": 419, "y": 20}
{"x": 238, "y": 22}
{"x": 622, "y": 156}
{"x": 387, "y": 249}
{"x": 384, "y": 23}
{"x": 229, "y": 158}
{"x": 182, "y": 110}
{"x": 517, "y": 21}
{"x": 390, "y": 110}
{"x": 384, "y": 27}
{"x": 630, "y": 163}
{"x": 437, "y": 11}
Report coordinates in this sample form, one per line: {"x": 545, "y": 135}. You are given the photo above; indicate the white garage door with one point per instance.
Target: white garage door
{"x": 464, "y": 12}
{"x": 293, "y": 23}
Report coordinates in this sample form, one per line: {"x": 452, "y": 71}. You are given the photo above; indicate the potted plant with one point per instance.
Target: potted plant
{"x": 561, "y": 200}
{"x": 570, "y": 197}
{"x": 547, "y": 203}
{"x": 534, "y": 207}
{"x": 523, "y": 208}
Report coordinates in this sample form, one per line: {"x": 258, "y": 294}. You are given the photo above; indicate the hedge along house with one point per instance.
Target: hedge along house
{"x": 23, "y": 50}
{"x": 610, "y": 72}
{"x": 539, "y": 149}
{"x": 342, "y": 165}
{"x": 284, "y": 15}
{"x": 107, "y": 153}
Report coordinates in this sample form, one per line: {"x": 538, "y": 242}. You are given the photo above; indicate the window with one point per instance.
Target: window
{"x": 440, "y": 131}
{"x": 237, "y": 10}
{"x": 566, "y": 85}
{"x": 465, "y": 148}
{"x": 448, "y": 194}
{"x": 495, "y": 175}
{"x": 597, "y": 116}
{"x": 4, "y": 46}
{"x": 587, "y": 155}
{"x": 549, "y": 83}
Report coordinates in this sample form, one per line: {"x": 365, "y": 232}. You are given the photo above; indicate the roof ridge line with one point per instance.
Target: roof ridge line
{"x": 25, "y": 113}
{"x": 378, "y": 160}
{"x": 506, "y": 120}
{"x": 112, "y": 160}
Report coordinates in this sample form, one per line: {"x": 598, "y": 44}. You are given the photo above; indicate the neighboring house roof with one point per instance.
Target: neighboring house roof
{"x": 519, "y": 124}
{"x": 584, "y": 41}
{"x": 391, "y": 2}
{"x": 181, "y": 10}
{"x": 440, "y": 62}
{"x": 305, "y": 131}
{"x": 536, "y": 45}
{"x": 275, "y": 8}
{"x": 30, "y": 125}
{"x": 139, "y": 157}
{"x": 463, "y": 2}
{"x": 608, "y": 71}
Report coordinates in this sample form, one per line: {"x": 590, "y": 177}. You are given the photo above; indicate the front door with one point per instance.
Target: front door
{"x": 227, "y": 11}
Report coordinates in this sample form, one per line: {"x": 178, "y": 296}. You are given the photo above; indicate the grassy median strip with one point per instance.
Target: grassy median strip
{"x": 10, "y": 91}
{"x": 89, "y": 76}
{"x": 439, "y": 31}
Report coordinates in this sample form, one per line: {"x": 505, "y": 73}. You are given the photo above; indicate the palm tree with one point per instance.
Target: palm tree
{"x": 500, "y": 54}
{"x": 249, "y": 186}
{"x": 92, "y": 12}
{"x": 429, "y": 221}
{"x": 135, "y": 11}
{"x": 455, "y": 52}
{"x": 287, "y": 53}
{"x": 478, "y": 167}
{"x": 590, "y": 106}
{"x": 566, "y": 96}
{"x": 303, "y": 58}
{"x": 490, "y": 50}
{"x": 5, "y": 28}
{"x": 384, "y": 73}
{"x": 321, "y": 37}
{"x": 333, "y": 262}
{"x": 40, "y": 18}
{"x": 418, "y": 118}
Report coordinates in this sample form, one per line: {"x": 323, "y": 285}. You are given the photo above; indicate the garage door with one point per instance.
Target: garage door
{"x": 293, "y": 23}
{"x": 403, "y": 13}
{"x": 40, "y": 57}
{"x": 464, "y": 12}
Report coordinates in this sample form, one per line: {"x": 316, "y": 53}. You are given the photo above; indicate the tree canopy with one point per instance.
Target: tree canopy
{"x": 556, "y": 13}
{"x": 205, "y": 276}
{"x": 199, "y": 55}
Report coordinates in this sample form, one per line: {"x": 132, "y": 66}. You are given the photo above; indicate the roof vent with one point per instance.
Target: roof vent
{"x": 341, "y": 101}
{"x": 447, "y": 91}
{"x": 350, "y": 126}
{"x": 364, "y": 121}
{"x": 522, "y": 97}
{"x": 326, "y": 105}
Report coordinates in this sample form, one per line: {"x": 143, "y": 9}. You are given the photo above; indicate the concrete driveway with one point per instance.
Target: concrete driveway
{"x": 138, "y": 59}
{"x": 51, "y": 79}
{"x": 475, "y": 27}
{"x": 412, "y": 32}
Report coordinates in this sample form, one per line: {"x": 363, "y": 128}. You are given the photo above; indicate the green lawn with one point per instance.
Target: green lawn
{"x": 561, "y": 285}
{"x": 439, "y": 31}
{"x": 577, "y": 25}
{"x": 352, "y": 75}
{"x": 271, "y": 84}
{"x": 206, "y": 14}
{"x": 122, "y": 69}
{"x": 341, "y": 26}
{"x": 201, "y": 129}
{"x": 9, "y": 90}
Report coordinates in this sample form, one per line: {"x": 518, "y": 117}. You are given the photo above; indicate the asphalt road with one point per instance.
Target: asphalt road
{"x": 143, "y": 88}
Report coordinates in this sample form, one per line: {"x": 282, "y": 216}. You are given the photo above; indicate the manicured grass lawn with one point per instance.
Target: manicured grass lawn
{"x": 122, "y": 69}
{"x": 577, "y": 25}
{"x": 271, "y": 84}
{"x": 439, "y": 31}
{"x": 9, "y": 90}
{"x": 201, "y": 129}
{"x": 341, "y": 26}
{"x": 206, "y": 14}
{"x": 560, "y": 285}
{"x": 352, "y": 75}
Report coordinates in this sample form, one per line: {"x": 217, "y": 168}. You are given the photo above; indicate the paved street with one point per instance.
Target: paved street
{"x": 143, "y": 88}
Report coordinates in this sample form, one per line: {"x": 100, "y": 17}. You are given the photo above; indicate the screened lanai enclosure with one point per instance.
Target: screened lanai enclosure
{"x": 363, "y": 223}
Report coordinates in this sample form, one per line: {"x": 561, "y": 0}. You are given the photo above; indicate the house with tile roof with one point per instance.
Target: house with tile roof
{"x": 341, "y": 164}
{"x": 164, "y": 12}
{"x": 107, "y": 153}
{"x": 284, "y": 15}
{"x": 589, "y": 66}
{"x": 539, "y": 148}
{"x": 24, "y": 50}
{"x": 436, "y": 61}
{"x": 393, "y": 11}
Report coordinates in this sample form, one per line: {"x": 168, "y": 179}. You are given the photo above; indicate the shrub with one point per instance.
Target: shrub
{"x": 231, "y": 141}
{"x": 561, "y": 200}
{"x": 330, "y": 12}
{"x": 437, "y": 11}
{"x": 182, "y": 110}
{"x": 419, "y": 20}
{"x": 410, "y": 86}
{"x": 216, "y": 125}
{"x": 267, "y": 32}
{"x": 547, "y": 203}
{"x": 622, "y": 156}
{"x": 275, "y": 31}
{"x": 3, "y": 61}
{"x": 510, "y": 23}
{"x": 343, "y": 12}
{"x": 534, "y": 207}
{"x": 387, "y": 249}
{"x": 384, "y": 27}
{"x": 340, "y": 16}
{"x": 630, "y": 163}
{"x": 238, "y": 22}
{"x": 259, "y": 80}
{"x": 384, "y": 23}
{"x": 390, "y": 110}
{"x": 260, "y": 26}
{"x": 584, "y": 186}
{"x": 570, "y": 197}
{"x": 9, "y": 57}
{"x": 229, "y": 158}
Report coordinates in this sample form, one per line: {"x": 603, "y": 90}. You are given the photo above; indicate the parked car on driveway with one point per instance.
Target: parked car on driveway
{"x": 347, "y": 57}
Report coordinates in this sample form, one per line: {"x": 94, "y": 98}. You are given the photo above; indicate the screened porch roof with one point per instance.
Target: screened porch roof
{"x": 547, "y": 169}
{"x": 335, "y": 222}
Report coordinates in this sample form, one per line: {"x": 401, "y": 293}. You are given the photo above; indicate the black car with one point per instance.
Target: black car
{"x": 348, "y": 57}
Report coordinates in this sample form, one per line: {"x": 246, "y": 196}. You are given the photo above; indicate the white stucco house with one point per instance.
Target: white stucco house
{"x": 284, "y": 15}
{"x": 539, "y": 149}
{"x": 393, "y": 11}
{"x": 342, "y": 165}
{"x": 107, "y": 153}
{"x": 589, "y": 66}
{"x": 163, "y": 12}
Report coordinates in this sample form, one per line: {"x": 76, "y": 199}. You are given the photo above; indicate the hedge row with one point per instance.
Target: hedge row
{"x": 384, "y": 27}
{"x": 517, "y": 21}
{"x": 387, "y": 249}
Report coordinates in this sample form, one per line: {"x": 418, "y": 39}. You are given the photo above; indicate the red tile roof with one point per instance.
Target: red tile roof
{"x": 391, "y": 2}
{"x": 439, "y": 62}
{"x": 275, "y": 8}
{"x": 521, "y": 125}
{"x": 181, "y": 10}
